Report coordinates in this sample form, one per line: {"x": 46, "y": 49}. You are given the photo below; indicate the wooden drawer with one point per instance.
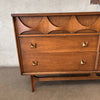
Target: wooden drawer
{"x": 59, "y": 44}
{"x": 46, "y": 62}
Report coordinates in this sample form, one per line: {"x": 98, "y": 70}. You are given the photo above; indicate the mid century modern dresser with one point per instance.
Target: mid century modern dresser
{"x": 58, "y": 46}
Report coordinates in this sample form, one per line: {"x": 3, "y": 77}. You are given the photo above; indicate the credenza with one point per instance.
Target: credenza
{"x": 58, "y": 46}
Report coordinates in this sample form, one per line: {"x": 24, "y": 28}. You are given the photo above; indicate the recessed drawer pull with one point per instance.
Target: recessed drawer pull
{"x": 83, "y": 62}
{"x": 33, "y": 45}
{"x": 84, "y": 44}
{"x": 34, "y": 63}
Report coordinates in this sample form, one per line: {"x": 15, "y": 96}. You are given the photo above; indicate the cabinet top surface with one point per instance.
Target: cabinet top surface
{"x": 53, "y": 14}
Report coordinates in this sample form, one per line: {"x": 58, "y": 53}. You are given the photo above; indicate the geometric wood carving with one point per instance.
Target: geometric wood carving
{"x": 59, "y": 20}
{"x": 73, "y": 25}
{"x": 87, "y": 20}
{"x": 31, "y": 21}
{"x": 20, "y": 26}
{"x": 45, "y": 26}
{"x": 50, "y": 24}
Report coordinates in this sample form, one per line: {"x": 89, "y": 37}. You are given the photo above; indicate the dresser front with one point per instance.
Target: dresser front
{"x": 57, "y": 43}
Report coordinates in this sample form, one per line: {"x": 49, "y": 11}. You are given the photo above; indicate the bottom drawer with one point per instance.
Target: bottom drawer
{"x": 46, "y": 62}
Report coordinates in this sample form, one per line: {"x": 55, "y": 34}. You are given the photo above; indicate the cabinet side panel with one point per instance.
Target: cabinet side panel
{"x": 98, "y": 56}
{"x": 17, "y": 44}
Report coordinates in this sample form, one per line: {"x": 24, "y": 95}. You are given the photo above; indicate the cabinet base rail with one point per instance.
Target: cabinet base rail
{"x": 90, "y": 76}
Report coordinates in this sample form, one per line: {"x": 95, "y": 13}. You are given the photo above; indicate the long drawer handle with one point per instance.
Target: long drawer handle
{"x": 34, "y": 63}
{"x": 84, "y": 44}
{"x": 83, "y": 62}
{"x": 33, "y": 45}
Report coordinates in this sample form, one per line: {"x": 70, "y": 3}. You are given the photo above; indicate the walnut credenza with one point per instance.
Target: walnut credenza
{"x": 58, "y": 46}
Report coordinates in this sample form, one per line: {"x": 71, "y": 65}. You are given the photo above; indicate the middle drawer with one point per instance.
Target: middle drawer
{"x": 59, "y": 44}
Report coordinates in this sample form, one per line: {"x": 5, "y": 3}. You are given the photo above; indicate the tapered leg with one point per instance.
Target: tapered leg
{"x": 33, "y": 82}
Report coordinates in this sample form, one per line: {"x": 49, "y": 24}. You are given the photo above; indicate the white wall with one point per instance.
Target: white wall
{"x": 8, "y": 53}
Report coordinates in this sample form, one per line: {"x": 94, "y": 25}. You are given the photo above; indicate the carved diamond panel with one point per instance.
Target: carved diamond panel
{"x": 50, "y": 24}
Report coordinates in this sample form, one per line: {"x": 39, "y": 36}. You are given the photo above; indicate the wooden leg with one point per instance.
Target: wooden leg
{"x": 33, "y": 82}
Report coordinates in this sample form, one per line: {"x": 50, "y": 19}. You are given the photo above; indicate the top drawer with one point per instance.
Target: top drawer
{"x": 59, "y": 44}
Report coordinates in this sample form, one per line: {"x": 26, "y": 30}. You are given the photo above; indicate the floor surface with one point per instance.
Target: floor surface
{"x": 13, "y": 86}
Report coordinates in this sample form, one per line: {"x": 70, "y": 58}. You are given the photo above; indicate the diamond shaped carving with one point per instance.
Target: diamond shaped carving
{"x": 45, "y": 26}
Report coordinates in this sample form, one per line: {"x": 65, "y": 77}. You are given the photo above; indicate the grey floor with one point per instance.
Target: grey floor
{"x": 13, "y": 86}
